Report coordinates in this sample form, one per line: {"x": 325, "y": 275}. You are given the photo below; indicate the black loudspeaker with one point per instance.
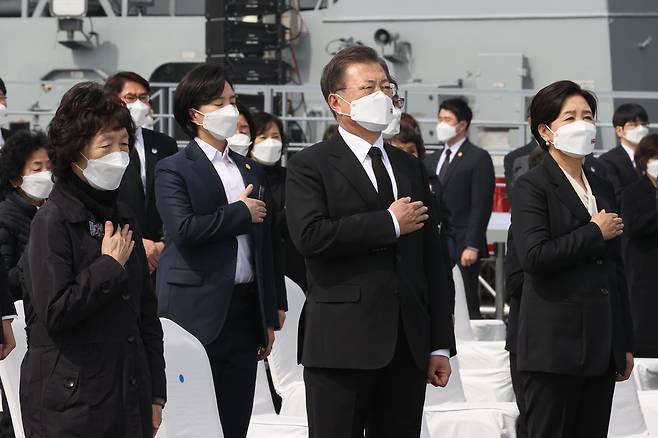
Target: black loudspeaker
{"x": 240, "y": 8}
{"x": 252, "y": 70}
{"x": 228, "y": 36}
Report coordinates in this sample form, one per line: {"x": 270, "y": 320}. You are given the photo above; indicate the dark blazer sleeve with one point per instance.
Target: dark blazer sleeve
{"x": 482, "y": 190}
{"x": 273, "y": 277}
{"x": 62, "y": 298}
{"x": 314, "y": 232}
{"x": 537, "y": 250}
{"x": 438, "y": 270}
{"x": 7, "y": 307}
{"x": 151, "y": 329}
{"x": 508, "y": 165}
{"x": 613, "y": 174}
{"x": 639, "y": 221}
{"x": 10, "y": 257}
{"x": 186, "y": 227}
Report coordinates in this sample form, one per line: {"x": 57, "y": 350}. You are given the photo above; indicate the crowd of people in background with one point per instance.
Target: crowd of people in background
{"x": 105, "y": 225}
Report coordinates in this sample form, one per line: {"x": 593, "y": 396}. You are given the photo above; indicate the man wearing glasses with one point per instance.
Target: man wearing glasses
{"x": 377, "y": 323}
{"x": 137, "y": 188}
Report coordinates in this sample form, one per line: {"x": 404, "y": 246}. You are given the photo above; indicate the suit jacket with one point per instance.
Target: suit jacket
{"x": 196, "y": 272}
{"x": 639, "y": 209}
{"x": 467, "y": 195}
{"x": 6, "y": 133}
{"x": 516, "y": 163}
{"x": 574, "y": 311}
{"x": 157, "y": 146}
{"x": 362, "y": 281}
{"x": 7, "y": 307}
{"x": 620, "y": 169}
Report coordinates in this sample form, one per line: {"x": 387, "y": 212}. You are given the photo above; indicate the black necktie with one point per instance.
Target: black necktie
{"x": 384, "y": 186}
{"x": 443, "y": 172}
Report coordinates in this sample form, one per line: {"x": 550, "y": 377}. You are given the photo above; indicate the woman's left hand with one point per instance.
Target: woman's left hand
{"x": 628, "y": 370}
{"x": 9, "y": 342}
{"x": 156, "y": 418}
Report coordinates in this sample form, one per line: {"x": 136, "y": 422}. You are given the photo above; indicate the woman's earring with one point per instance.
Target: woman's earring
{"x": 548, "y": 143}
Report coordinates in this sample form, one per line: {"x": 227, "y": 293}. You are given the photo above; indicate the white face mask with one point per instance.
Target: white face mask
{"x": 393, "y": 128}
{"x": 139, "y": 110}
{"x": 267, "y": 152}
{"x": 652, "y": 168}
{"x": 38, "y": 185}
{"x": 373, "y": 112}
{"x": 445, "y": 131}
{"x": 149, "y": 123}
{"x": 239, "y": 143}
{"x": 106, "y": 173}
{"x": 636, "y": 134}
{"x": 221, "y": 123}
{"x": 576, "y": 139}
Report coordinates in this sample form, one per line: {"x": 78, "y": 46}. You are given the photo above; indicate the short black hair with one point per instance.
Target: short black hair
{"x": 646, "y": 150}
{"x": 244, "y": 111}
{"x": 459, "y": 108}
{"x": 629, "y": 112}
{"x": 330, "y": 131}
{"x": 334, "y": 72}
{"x": 3, "y": 87}
{"x": 547, "y": 104}
{"x": 198, "y": 87}
{"x": 84, "y": 111}
{"x": 262, "y": 122}
{"x": 115, "y": 83}
{"x": 410, "y": 133}
{"x": 15, "y": 153}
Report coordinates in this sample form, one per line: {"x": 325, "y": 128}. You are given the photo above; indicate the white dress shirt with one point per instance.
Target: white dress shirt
{"x": 233, "y": 184}
{"x": 360, "y": 148}
{"x": 586, "y": 196}
{"x": 629, "y": 151}
{"x": 139, "y": 147}
{"x": 2, "y": 139}
{"x": 453, "y": 153}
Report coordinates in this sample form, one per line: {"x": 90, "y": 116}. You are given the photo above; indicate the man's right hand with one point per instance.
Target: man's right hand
{"x": 256, "y": 207}
{"x": 410, "y": 215}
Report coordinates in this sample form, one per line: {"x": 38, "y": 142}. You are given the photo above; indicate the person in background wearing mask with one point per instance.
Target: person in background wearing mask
{"x": 26, "y": 181}
{"x": 243, "y": 138}
{"x": 574, "y": 335}
{"x": 377, "y": 323}
{"x": 94, "y": 365}
{"x": 631, "y": 124}
{"x": 462, "y": 175}
{"x": 639, "y": 209}
{"x": 409, "y": 137}
{"x": 4, "y": 133}
{"x": 137, "y": 188}
{"x": 217, "y": 277}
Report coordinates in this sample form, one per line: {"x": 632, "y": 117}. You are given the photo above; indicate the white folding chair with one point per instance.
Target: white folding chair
{"x": 471, "y": 420}
{"x": 627, "y": 418}
{"x": 10, "y": 371}
{"x": 463, "y": 329}
{"x": 646, "y": 373}
{"x": 482, "y": 355}
{"x": 191, "y": 404}
{"x": 649, "y": 405}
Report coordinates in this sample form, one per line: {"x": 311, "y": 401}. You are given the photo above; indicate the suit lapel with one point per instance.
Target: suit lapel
{"x": 151, "y": 159}
{"x": 246, "y": 170}
{"x": 207, "y": 172}
{"x": 348, "y": 165}
{"x": 401, "y": 178}
{"x": 602, "y": 201}
{"x": 565, "y": 191}
{"x": 458, "y": 159}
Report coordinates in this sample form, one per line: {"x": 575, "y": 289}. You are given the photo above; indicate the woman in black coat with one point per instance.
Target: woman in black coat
{"x": 26, "y": 180}
{"x": 639, "y": 208}
{"x": 94, "y": 365}
{"x": 574, "y": 335}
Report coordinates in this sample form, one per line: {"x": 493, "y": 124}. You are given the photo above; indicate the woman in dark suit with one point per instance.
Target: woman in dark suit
{"x": 94, "y": 365}
{"x": 574, "y": 335}
{"x": 639, "y": 208}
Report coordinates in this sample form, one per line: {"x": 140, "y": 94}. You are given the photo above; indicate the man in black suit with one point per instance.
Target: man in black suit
{"x": 462, "y": 175}
{"x": 377, "y": 324}
{"x": 516, "y": 163}
{"x": 631, "y": 125}
{"x": 137, "y": 187}
{"x": 4, "y": 133}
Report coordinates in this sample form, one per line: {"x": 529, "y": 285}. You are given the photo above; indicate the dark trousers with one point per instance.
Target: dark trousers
{"x": 561, "y": 406}
{"x": 233, "y": 360}
{"x": 471, "y": 287}
{"x": 517, "y": 385}
{"x": 386, "y": 402}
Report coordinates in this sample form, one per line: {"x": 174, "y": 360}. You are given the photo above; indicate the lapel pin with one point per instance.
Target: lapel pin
{"x": 154, "y": 151}
{"x": 248, "y": 166}
{"x": 460, "y": 153}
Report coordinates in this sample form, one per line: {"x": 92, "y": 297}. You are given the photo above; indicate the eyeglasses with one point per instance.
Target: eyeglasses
{"x": 131, "y": 98}
{"x": 365, "y": 90}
